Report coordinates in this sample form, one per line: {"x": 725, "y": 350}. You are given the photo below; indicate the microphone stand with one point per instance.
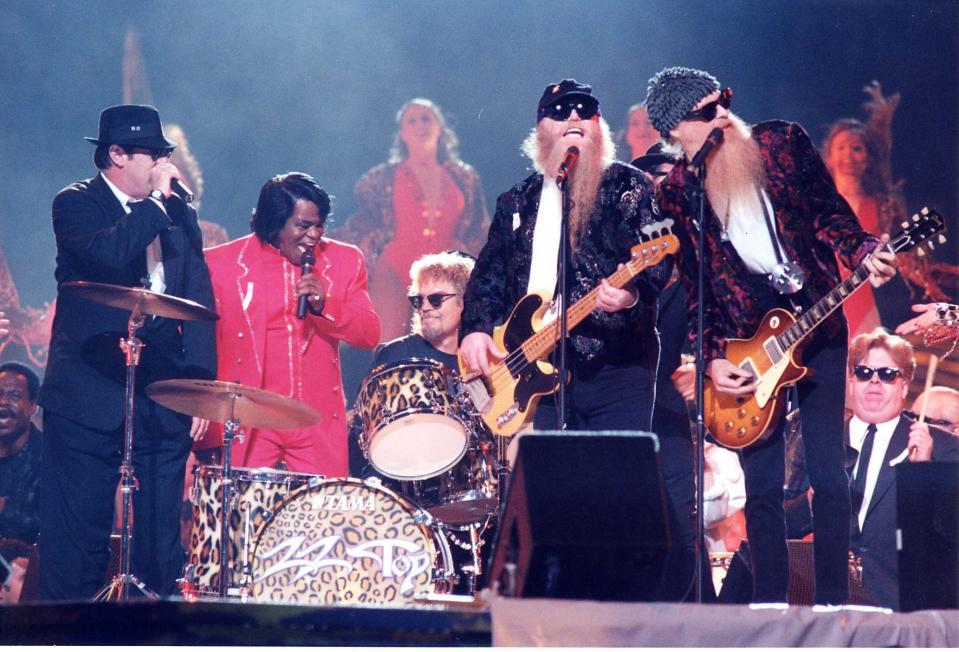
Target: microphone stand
{"x": 700, "y": 384}
{"x": 563, "y": 182}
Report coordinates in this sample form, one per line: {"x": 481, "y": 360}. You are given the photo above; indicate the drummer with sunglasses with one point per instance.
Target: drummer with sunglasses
{"x": 438, "y": 282}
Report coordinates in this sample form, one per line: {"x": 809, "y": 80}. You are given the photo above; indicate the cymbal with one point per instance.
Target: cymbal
{"x": 218, "y": 401}
{"x": 148, "y": 301}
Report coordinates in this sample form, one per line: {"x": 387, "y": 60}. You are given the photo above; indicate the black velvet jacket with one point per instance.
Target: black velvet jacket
{"x": 501, "y": 275}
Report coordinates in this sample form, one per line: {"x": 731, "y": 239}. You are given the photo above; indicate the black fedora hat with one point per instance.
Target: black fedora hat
{"x": 136, "y": 125}
{"x": 653, "y": 158}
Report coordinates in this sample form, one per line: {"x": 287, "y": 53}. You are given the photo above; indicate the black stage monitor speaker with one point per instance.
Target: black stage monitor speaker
{"x": 927, "y": 509}
{"x": 585, "y": 518}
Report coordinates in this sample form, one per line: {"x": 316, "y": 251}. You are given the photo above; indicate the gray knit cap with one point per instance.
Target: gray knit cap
{"x": 673, "y": 92}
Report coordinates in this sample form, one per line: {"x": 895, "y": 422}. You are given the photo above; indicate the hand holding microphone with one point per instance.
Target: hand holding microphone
{"x": 165, "y": 177}
{"x": 308, "y": 287}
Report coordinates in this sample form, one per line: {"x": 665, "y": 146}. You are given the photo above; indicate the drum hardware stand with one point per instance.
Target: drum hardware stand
{"x": 231, "y": 431}
{"x": 474, "y": 546}
{"x": 502, "y": 470}
{"x": 118, "y": 590}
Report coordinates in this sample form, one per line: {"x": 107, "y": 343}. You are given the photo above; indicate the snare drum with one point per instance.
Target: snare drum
{"x": 348, "y": 541}
{"x": 255, "y": 495}
{"x": 416, "y": 420}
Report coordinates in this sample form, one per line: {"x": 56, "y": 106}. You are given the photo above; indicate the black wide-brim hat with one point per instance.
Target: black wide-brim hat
{"x": 135, "y": 125}
{"x": 653, "y": 158}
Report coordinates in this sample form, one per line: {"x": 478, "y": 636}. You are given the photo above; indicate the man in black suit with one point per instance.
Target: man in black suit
{"x": 124, "y": 227}
{"x": 882, "y": 435}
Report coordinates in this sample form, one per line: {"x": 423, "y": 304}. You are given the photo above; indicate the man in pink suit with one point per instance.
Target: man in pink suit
{"x": 268, "y": 337}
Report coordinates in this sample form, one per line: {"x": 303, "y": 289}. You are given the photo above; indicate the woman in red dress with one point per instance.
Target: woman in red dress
{"x": 423, "y": 200}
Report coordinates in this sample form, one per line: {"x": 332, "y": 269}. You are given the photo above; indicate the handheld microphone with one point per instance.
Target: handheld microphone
{"x": 307, "y": 260}
{"x": 181, "y": 190}
{"x": 713, "y": 140}
{"x": 568, "y": 162}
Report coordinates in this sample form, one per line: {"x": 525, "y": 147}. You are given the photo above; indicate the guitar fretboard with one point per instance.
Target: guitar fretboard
{"x": 823, "y": 308}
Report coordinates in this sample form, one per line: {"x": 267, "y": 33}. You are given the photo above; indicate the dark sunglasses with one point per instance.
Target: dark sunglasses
{"x": 586, "y": 108}
{"x": 436, "y": 300}
{"x": 886, "y": 374}
{"x": 708, "y": 112}
{"x": 155, "y": 154}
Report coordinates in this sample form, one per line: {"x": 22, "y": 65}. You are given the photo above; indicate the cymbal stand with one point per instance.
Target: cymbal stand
{"x": 230, "y": 432}
{"x": 502, "y": 470}
{"x": 118, "y": 590}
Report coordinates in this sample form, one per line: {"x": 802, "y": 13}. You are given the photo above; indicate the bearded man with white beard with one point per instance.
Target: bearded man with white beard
{"x": 770, "y": 199}
{"x": 613, "y": 353}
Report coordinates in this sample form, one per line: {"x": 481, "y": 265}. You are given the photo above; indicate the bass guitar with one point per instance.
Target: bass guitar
{"x": 772, "y": 355}
{"x": 507, "y": 398}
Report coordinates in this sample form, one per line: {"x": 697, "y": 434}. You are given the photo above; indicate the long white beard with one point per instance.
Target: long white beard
{"x": 584, "y": 181}
{"x": 735, "y": 174}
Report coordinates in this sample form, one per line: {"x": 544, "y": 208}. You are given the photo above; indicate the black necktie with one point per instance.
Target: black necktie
{"x": 858, "y": 490}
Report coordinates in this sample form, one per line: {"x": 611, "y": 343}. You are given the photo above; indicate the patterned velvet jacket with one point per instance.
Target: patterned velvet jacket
{"x": 371, "y": 225}
{"x": 501, "y": 275}
{"x": 813, "y": 221}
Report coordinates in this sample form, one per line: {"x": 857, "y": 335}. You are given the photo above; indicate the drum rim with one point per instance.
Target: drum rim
{"x": 251, "y": 473}
{"x": 405, "y": 362}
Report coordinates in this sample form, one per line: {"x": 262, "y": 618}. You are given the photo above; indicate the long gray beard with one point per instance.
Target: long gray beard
{"x": 735, "y": 173}
{"x": 584, "y": 182}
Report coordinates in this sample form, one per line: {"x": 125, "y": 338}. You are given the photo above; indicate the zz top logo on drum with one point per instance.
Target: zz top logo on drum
{"x": 315, "y": 556}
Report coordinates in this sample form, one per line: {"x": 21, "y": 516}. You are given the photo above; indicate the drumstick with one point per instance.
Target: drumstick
{"x": 930, "y": 375}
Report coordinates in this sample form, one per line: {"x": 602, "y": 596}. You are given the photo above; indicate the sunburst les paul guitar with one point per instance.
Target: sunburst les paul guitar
{"x": 772, "y": 354}
{"x": 507, "y": 398}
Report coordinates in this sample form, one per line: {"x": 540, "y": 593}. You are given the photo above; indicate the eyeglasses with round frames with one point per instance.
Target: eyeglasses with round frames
{"x": 436, "y": 300}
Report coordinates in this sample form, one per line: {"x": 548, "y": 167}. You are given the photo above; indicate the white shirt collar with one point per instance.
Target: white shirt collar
{"x": 120, "y": 195}
{"x": 858, "y": 427}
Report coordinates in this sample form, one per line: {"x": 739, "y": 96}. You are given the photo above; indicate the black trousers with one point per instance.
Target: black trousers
{"x": 80, "y": 474}
{"x": 612, "y": 398}
{"x": 821, "y": 407}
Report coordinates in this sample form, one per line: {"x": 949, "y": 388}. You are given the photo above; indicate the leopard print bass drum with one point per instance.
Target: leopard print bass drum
{"x": 416, "y": 419}
{"x": 349, "y": 541}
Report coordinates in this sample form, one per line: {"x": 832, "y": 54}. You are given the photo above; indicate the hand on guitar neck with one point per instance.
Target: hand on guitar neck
{"x": 881, "y": 263}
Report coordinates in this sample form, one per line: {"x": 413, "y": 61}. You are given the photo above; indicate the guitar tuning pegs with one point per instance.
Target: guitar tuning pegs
{"x": 942, "y": 239}
{"x": 905, "y": 224}
{"x": 920, "y": 252}
{"x": 925, "y": 210}
{"x": 915, "y": 218}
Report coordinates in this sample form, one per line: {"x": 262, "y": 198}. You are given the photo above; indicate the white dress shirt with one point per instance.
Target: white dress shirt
{"x": 857, "y": 434}
{"x": 154, "y": 252}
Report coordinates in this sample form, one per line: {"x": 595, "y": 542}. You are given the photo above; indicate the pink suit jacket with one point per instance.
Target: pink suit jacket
{"x": 348, "y": 316}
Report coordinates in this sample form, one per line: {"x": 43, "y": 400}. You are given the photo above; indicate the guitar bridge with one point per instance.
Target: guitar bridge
{"x": 510, "y": 412}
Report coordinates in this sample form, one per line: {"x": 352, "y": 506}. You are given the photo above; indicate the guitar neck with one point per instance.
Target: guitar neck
{"x": 540, "y": 343}
{"x": 823, "y": 308}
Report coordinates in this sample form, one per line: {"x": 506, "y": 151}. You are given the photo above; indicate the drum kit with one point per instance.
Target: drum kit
{"x": 274, "y": 535}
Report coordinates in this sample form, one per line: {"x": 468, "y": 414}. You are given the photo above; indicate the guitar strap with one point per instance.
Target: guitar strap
{"x": 787, "y": 277}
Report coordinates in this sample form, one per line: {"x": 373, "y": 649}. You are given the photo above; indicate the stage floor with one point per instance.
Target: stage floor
{"x": 497, "y": 622}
